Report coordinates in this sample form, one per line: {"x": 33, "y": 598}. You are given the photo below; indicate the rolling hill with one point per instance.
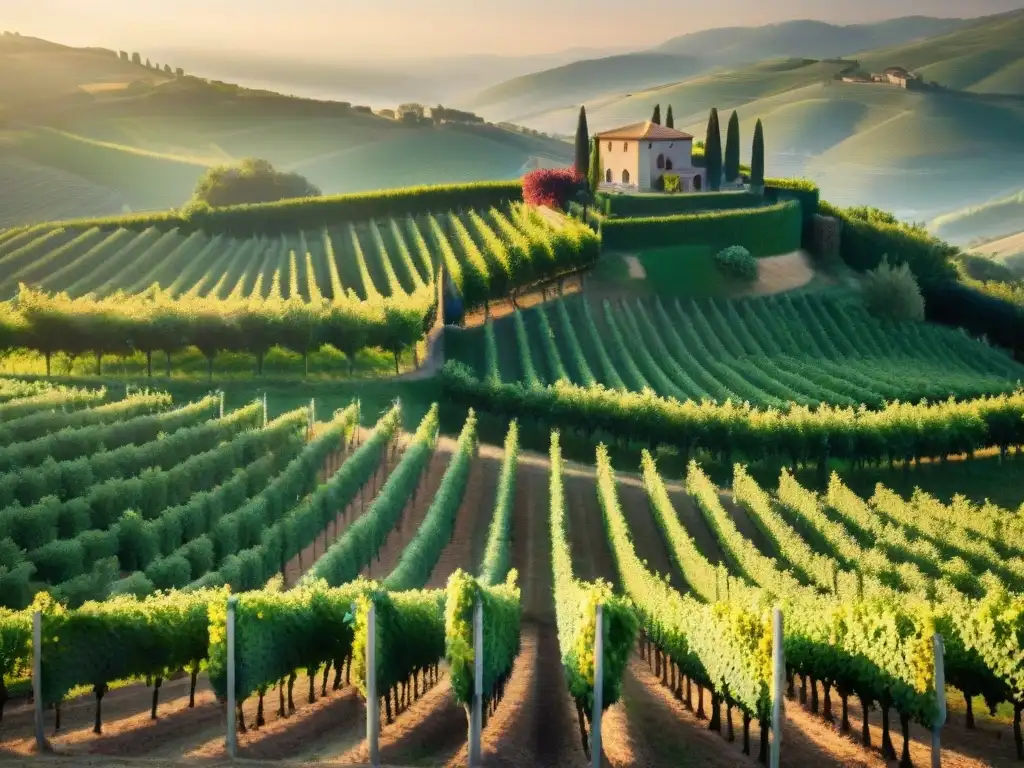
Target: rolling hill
{"x": 69, "y": 150}
{"x": 986, "y": 57}
{"x": 988, "y": 221}
{"x": 688, "y": 55}
{"x": 1008, "y": 251}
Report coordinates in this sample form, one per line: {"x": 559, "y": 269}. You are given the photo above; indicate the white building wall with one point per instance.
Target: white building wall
{"x": 619, "y": 156}
{"x": 680, "y": 153}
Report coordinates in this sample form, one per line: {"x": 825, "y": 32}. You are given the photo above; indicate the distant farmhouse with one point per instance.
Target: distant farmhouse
{"x": 636, "y": 156}
{"x": 897, "y": 76}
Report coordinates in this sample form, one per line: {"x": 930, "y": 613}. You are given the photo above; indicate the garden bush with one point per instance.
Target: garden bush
{"x": 892, "y": 292}
{"x": 736, "y": 262}
{"x": 665, "y": 205}
{"x": 552, "y": 187}
{"x": 250, "y": 181}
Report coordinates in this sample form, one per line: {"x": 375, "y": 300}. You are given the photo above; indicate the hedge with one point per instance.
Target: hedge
{"x": 667, "y": 204}
{"x": 764, "y": 231}
{"x": 867, "y": 236}
{"x": 312, "y": 212}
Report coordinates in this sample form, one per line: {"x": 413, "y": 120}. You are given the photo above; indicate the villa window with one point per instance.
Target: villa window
{"x": 608, "y": 175}
{"x": 661, "y": 162}
{"x": 668, "y": 164}
{"x": 625, "y": 146}
{"x": 625, "y": 177}
{"x": 609, "y": 146}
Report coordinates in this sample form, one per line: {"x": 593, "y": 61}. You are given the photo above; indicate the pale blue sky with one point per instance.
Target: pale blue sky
{"x": 352, "y": 28}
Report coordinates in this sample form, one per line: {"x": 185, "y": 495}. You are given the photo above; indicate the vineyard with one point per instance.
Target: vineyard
{"x": 367, "y": 284}
{"x": 770, "y": 352}
{"x": 128, "y": 523}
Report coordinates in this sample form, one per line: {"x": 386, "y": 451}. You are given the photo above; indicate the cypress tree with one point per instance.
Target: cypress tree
{"x": 582, "y": 155}
{"x": 670, "y": 122}
{"x": 757, "y": 158}
{"x": 713, "y": 153}
{"x": 656, "y": 117}
{"x": 732, "y": 148}
{"x": 595, "y": 166}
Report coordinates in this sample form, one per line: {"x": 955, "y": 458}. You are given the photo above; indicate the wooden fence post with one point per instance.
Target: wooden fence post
{"x": 778, "y": 687}
{"x": 372, "y": 702}
{"x": 595, "y": 716}
{"x": 940, "y": 698}
{"x": 232, "y": 737}
{"x": 37, "y": 677}
{"x": 476, "y": 720}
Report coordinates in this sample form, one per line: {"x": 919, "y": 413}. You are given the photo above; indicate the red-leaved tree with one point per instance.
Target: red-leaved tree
{"x": 551, "y": 186}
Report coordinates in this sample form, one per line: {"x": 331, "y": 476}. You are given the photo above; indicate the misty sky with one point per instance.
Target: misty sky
{"x": 341, "y": 29}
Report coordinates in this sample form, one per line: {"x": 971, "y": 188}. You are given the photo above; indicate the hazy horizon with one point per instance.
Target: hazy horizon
{"x": 407, "y": 29}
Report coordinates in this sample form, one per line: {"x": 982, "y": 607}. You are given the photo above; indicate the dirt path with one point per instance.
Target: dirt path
{"x": 747, "y": 526}
{"x": 591, "y": 556}
{"x": 693, "y": 520}
{"x": 411, "y": 517}
{"x": 787, "y": 272}
{"x": 636, "y": 269}
{"x": 465, "y": 550}
{"x": 647, "y": 539}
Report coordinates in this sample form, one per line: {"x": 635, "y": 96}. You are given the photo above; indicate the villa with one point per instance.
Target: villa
{"x": 635, "y": 157}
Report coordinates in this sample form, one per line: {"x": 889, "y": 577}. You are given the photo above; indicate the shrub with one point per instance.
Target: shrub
{"x": 672, "y": 183}
{"x": 893, "y": 293}
{"x": 251, "y": 181}
{"x": 551, "y": 187}
{"x": 736, "y": 262}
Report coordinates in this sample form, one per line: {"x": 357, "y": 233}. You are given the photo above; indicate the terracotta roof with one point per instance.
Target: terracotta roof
{"x": 645, "y": 130}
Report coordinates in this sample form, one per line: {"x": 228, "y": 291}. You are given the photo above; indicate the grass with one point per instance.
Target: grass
{"x": 688, "y": 269}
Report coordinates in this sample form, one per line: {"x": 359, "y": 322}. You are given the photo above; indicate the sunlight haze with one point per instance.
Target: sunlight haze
{"x": 396, "y": 29}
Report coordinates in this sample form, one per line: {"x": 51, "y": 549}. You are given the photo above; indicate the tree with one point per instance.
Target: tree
{"x": 732, "y": 148}
{"x": 595, "y": 166}
{"x": 670, "y": 121}
{"x": 251, "y": 181}
{"x": 167, "y": 69}
{"x": 123, "y": 55}
{"x": 136, "y": 59}
{"x": 656, "y": 117}
{"x": 757, "y": 159}
{"x": 713, "y": 153}
{"x": 149, "y": 64}
{"x": 582, "y": 155}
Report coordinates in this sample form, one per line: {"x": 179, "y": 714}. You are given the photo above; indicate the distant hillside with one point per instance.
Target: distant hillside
{"x": 1008, "y": 251}
{"x": 693, "y": 54}
{"x": 581, "y": 81}
{"x": 985, "y": 57}
{"x": 990, "y": 220}
{"x": 143, "y": 145}
{"x": 804, "y": 38}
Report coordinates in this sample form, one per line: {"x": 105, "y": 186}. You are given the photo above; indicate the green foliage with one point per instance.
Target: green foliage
{"x": 736, "y": 262}
{"x": 670, "y": 121}
{"x": 670, "y": 183}
{"x": 893, "y": 293}
{"x": 764, "y": 231}
{"x": 656, "y": 117}
{"x": 727, "y": 647}
{"x": 732, "y": 148}
{"x": 798, "y": 433}
{"x": 713, "y": 153}
{"x": 248, "y": 182}
{"x": 497, "y": 553}
{"x": 627, "y": 206}
{"x": 420, "y": 555}
{"x": 39, "y": 424}
{"x": 757, "y": 157}
{"x": 596, "y": 172}
{"x": 582, "y": 154}
{"x": 347, "y": 556}
{"x": 868, "y": 234}
{"x": 576, "y": 604}
{"x": 501, "y": 615}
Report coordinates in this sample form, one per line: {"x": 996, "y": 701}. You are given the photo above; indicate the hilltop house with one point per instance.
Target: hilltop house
{"x": 635, "y": 156}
